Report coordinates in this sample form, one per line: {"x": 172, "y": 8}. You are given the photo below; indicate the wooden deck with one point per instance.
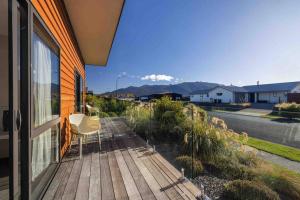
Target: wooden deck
{"x": 120, "y": 167}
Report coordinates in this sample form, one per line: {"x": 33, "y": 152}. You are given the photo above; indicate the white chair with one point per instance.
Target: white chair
{"x": 83, "y": 126}
{"x": 92, "y": 110}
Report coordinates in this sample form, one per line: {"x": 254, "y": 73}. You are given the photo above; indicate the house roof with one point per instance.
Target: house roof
{"x": 233, "y": 88}
{"x": 95, "y": 24}
{"x": 202, "y": 91}
{"x": 275, "y": 87}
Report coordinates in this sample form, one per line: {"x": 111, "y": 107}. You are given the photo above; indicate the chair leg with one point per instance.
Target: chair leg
{"x": 72, "y": 139}
{"x": 80, "y": 146}
{"x": 99, "y": 139}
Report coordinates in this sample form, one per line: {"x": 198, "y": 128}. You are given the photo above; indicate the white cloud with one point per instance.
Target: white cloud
{"x": 157, "y": 77}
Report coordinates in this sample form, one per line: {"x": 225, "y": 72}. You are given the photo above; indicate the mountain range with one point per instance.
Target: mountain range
{"x": 184, "y": 88}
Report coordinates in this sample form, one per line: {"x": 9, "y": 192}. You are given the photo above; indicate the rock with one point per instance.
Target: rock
{"x": 213, "y": 186}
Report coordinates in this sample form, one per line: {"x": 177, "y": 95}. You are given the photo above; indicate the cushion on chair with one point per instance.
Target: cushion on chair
{"x": 75, "y": 121}
{"x": 85, "y": 125}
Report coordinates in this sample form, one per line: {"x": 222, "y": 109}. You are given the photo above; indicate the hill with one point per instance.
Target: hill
{"x": 184, "y": 88}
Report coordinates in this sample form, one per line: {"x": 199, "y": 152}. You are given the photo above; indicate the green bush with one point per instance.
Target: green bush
{"x": 228, "y": 167}
{"x": 139, "y": 119}
{"x": 186, "y": 162}
{"x": 248, "y": 159}
{"x": 112, "y": 114}
{"x": 207, "y": 143}
{"x": 108, "y": 105}
{"x": 168, "y": 116}
{"x": 248, "y": 190}
{"x": 289, "y": 110}
{"x": 283, "y": 184}
{"x": 103, "y": 114}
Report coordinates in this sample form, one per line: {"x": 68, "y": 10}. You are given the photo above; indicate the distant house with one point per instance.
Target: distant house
{"x": 90, "y": 92}
{"x": 220, "y": 94}
{"x": 264, "y": 93}
{"x": 173, "y": 96}
{"x": 271, "y": 93}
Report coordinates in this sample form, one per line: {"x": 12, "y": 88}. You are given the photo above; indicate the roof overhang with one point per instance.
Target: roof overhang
{"x": 95, "y": 24}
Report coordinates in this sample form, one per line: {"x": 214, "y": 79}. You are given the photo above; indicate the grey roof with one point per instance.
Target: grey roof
{"x": 202, "y": 91}
{"x": 233, "y": 88}
{"x": 275, "y": 87}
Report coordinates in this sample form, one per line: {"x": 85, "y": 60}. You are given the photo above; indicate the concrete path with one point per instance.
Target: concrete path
{"x": 278, "y": 160}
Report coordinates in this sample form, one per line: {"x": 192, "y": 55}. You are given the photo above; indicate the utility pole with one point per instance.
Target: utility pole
{"x": 117, "y": 87}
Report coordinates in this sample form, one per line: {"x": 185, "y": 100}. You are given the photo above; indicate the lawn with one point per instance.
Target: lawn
{"x": 277, "y": 149}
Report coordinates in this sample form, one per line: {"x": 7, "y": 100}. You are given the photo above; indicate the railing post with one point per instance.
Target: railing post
{"x": 192, "y": 141}
{"x": 182, "y": 173}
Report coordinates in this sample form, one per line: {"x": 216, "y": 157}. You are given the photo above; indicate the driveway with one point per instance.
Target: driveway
{"x": 274, "y": 131}
{"x": 254, "y": 112}
{"x": 257, "y": 109}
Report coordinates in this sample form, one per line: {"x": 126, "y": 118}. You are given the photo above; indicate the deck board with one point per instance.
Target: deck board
{"x": 62, "y": 185}
{"x": 106, "y": 181}
{"x": 50, "y": 194}
{"x": 118, "y": 184}
{"x": 139, "y": 180}
{"x": 95, "y": 183}
{"x": 120, "y": 167}
{"x": 84, "y": 180}
{"x": 72, "y": 184}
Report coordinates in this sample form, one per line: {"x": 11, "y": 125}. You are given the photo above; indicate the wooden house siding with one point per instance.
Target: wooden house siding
{"x": 52, "y": 13}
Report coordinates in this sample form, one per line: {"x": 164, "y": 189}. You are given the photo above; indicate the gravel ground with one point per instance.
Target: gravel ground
{"x": 213, "y": 186}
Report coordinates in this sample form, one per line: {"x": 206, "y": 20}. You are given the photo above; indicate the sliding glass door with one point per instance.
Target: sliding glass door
{"x": 13, "y": 120}
{"x": 45, "y": 88}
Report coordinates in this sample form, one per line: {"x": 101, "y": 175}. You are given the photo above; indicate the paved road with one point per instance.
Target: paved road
{"x": 278, "y": 132}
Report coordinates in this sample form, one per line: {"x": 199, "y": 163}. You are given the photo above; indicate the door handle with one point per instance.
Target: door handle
{"x": 5, "y": 119}
{"x": 18, "y": 120}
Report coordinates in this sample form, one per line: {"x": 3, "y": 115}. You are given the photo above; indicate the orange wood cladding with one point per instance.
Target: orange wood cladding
{"x": 51, "y": 12}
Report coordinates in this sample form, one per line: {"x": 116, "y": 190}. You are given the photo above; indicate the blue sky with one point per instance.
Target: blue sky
{"x": 228, "y": 42}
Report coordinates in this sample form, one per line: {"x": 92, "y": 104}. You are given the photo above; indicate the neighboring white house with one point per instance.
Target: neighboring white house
{"x": 265, "y": 93}
{"x": 220, "y": 94}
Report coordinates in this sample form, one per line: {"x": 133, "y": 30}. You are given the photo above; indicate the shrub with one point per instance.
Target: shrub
{"x": 108, "y": 104}
{"x": 186, "y": 162}
{"x": 112, "y": 114}
{"x": 285, "y": 185}
{"x": 139, "y": 119}
{"x": 169, "y": 117}
{"x": 289, "y": 110}
{"x": 248, "y": 190}
{"x": 103, "y": 114}
{"x": 164, "y": 105}
{"x": 207, "y": 142}
{"x": 248, "y": 159}
{"x": 229, "y": 167}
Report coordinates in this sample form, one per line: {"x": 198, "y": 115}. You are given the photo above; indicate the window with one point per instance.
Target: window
{"x": 45, "y": 76}
{"x": 78, "y": 93}
{"x": 207, "y": 95}
{"x": 219, "y": 94}
{"x": 274, "y": 94}
{"x": 45, "y": 107}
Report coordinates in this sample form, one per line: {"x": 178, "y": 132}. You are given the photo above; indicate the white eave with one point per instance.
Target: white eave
{"x": 95, "y": 24}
